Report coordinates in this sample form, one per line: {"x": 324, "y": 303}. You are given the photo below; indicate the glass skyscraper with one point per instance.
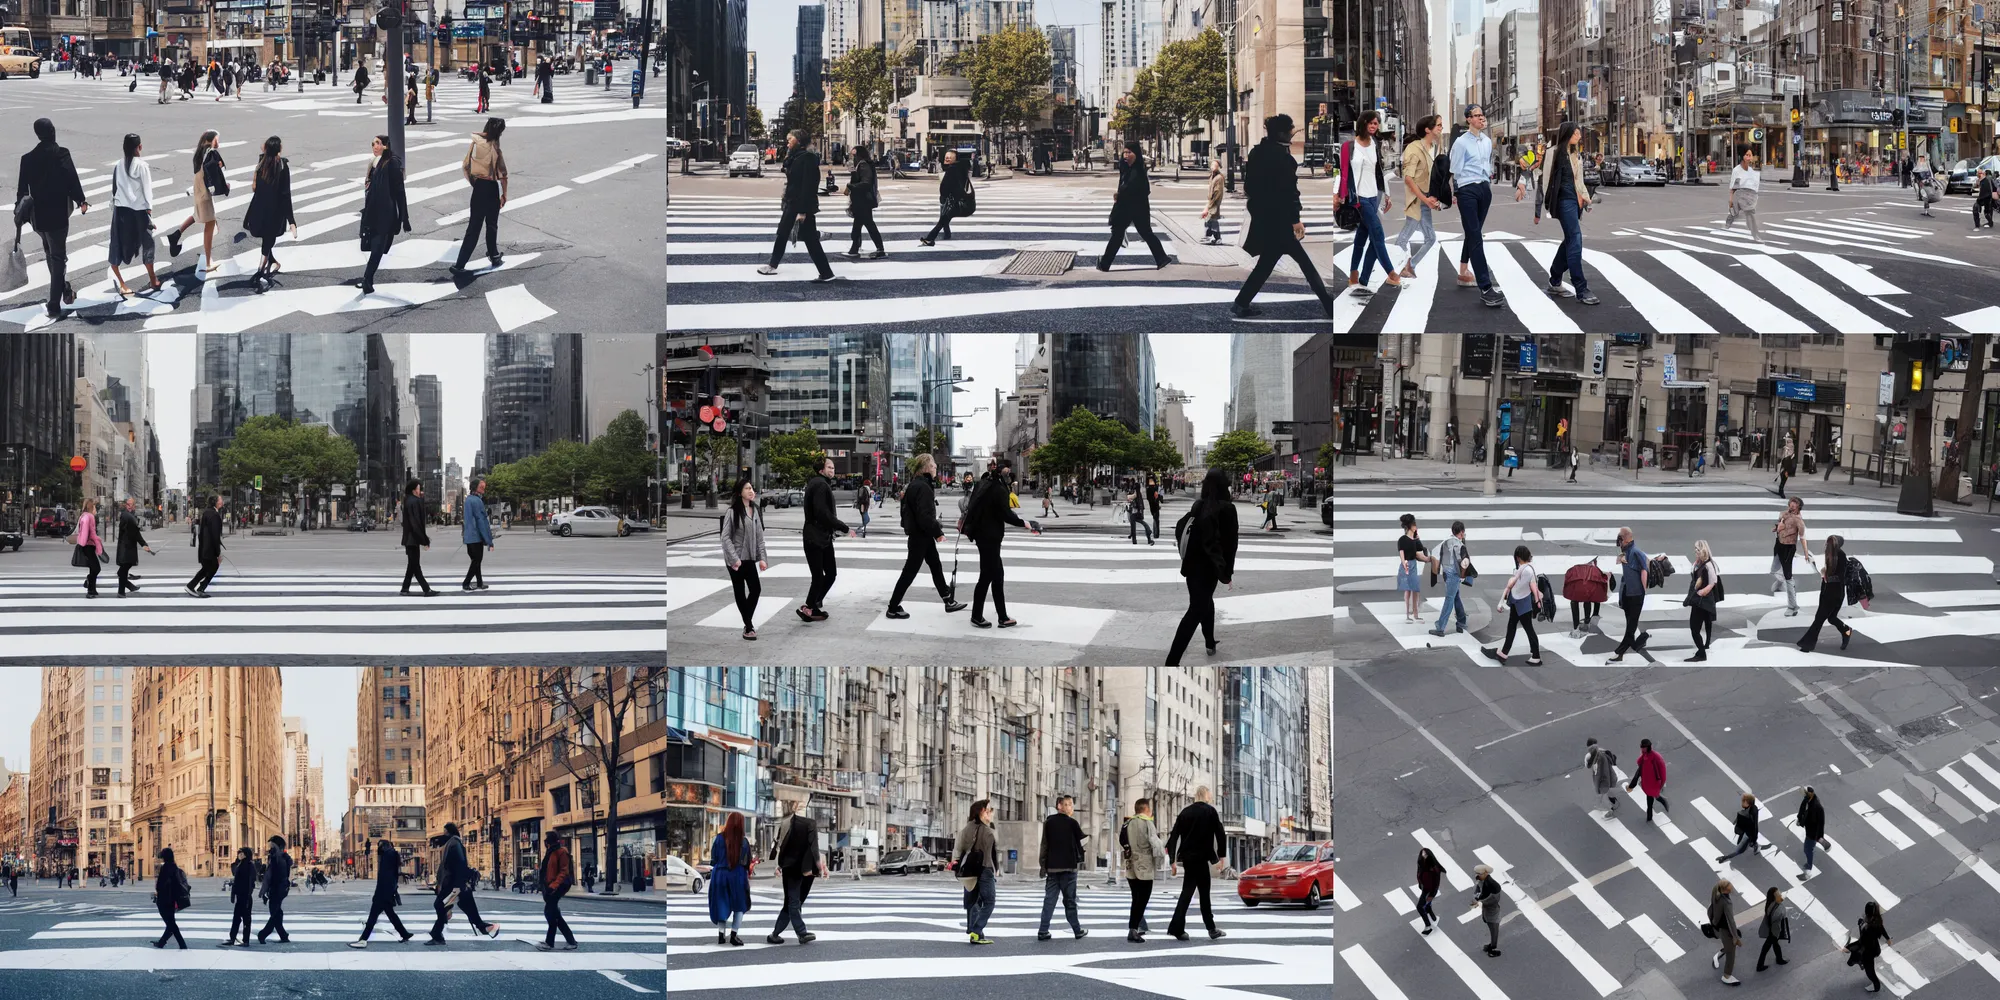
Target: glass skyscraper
{"x": 520, "y": 396}
{"x": 1263, "y": 758}
{"x": 1109, "y": 374}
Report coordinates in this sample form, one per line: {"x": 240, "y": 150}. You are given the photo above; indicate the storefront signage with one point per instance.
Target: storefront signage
{"x": 1669, "y": 369}
{"x": 1528, "y": 356}
{"x": 1803, "y": 392}
{"x": 1887, "y": 390}
{"x": 692, "y": 794}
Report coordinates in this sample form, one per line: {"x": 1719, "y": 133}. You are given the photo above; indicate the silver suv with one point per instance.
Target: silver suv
{"x": 746, "y": 160}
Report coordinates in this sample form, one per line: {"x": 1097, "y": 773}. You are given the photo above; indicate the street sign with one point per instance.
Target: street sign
{"x": 1803, "y": 392}
{"x": 339, "y": 490}
{"x": 1756, "y": 135}
{"x": 77, "y": 464}
{"x": 1528, "y": 357}
{"x": 256, "y": 482}
{"x": 1669, "y": 368}
{"x": 1887, "y": 390}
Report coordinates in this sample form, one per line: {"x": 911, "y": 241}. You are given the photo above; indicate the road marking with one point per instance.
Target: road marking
{"x": 1664, "y": 823}
{"x": 1460, "y": 964}
{"x": 514, "y": 307}
{"x": 1650, "y": 866}
{"x": 1882, "y": 825}
{"x": 1813, "y": 297}
{"x": 1371, "y": 975}
{"x": 1747, "y": 307}
{"x": 622, "y": 981}
{"x": 1966, "y": 788}
{"x": 1978, "y": 763}
{"x": 1343, "y": 896}
{"x": 396, "y": 642}
{"x": 917, "y": 309}
{"x": 1039, "y": 623}
{"x": 1593, "y": 973}
{"x": 1661, "y": 310}
{"x": 621, "y": 165}
{"x": 1525, "y": 296}
{"x": 1656, "y": 938}
{"x": 1460, "y": 881}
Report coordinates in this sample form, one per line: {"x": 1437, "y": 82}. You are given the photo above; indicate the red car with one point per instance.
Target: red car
{"x": 1301, "y": 873}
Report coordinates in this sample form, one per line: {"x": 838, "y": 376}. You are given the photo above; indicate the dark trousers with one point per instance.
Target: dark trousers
{"x": 992, "y": 575}
{"x": 1782, "y": 476}
{"x": 125, "y": 579}
{"x": 1699, "y": 623}
{"x": 275, "y": 923}
{"x": 1278, "y": 245}
{"x": 465, "y": 903}
{"x": 552, "y": 912}
{"x": 923, "y": 552}
{"x": 1867, "y": 963}
{"x": 943, "y": 226}
{"x": 1200, "y": 612}
{"x": 485, "y": 215}
{"x": 1569, "y": 255}
{"x": 797, "y": 888}
{"x": 1474, "y": 200}
{"x": 808, "y": 231}
{"x": 1143, "y": 223}
{"x": 1771, "y": 947}
{"x": 475, "y": 552}
{"x": 1526, "y": 623}
{"x": 1633, "y": 605}
{"x": 201, "y": 577}
{"x": 1142, "y": 893}
{"x": 1195, "y": 881}
{"x": 55, "y": 248}
{"x": 819, "y": 562}
{"x": 377, "y": 909}
{"x": 90, "y": 578}
{"x": 1059, "y": 884}
{"x": 1830, "y": 596}
{"x": 1582, "y": 611}
{"x": 166, "y": 908}
{"x": 1982, "y": 205}
{"x": 368, "y": 273}
{"x": 864, "y": 218}
{"x": 414, "y": 568}
{"x": 743, "y": 583}
{"x": 1424, "y": 909}
{"x": 1135, "y": 525}
{"x": 1650, "y": 799}
{"x": 267, "y": 244}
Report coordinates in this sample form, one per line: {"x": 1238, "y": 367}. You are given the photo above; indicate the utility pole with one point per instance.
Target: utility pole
{"x": 1490, "y": 484}
{"x": 390, "y": 19}
{"x": 1229, "y": 127}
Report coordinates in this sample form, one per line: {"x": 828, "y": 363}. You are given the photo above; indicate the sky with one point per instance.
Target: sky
{"x": 457, "y": 359}
{"x": 323, "y": 697}
{"x": 1195, "y": 363}
{"x": 774, "y": 33}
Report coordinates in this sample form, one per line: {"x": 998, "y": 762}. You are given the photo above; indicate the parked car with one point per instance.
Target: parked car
{"x": 362, "y": 523}
{"x": 677, "y": 147}
{"x": 1299, "y": 872}
{"x": 587, "y": 521}
{"x": 638, "y": 524}
{"x": 10, "y": 540}
{"x": 1623, "y": 170}
{"x": 912, "y": 861}
{"x": 53, "y": 524}
{"x": 1326, "y": 510}
{"x": 1965, "y": 174}
{"x": 745, "y": 160}
{"x": 787, "y": 498}
{"x": 679, "y": 874}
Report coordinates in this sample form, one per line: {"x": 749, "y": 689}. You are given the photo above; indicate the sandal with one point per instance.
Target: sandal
{"x": 124, "y": 292}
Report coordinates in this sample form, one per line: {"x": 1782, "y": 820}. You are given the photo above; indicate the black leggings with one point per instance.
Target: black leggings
{"x": 943, "y": 226}
{"x": 1424, "y": 909}
{"x": 743, "y": 583}
{"x": 1527, "y": 624}
{"x": 1698, "y": 622}
{"x": 1200, "y": 611}
{"x": 820, "y": 564}
{"x": 173, "y": 930}
{"x": 1771, "y": 947}
{"x": 552, "y": 913}
{"x": 241, "y": 916}
{"x": 864, "y": 218}
{"x": 267, "y": 243}
{"x": 1581, "y": 611}
{"x": 1142, "y": 893}
{"x": 474, "y": 554}
{"x": 1831, "y": 593}
{"x": 991, "y": 575}
{"x": 414, "y": 568}
{"x": 922, "y": 552}
{"x": 1867, "y": 964}
{"x": 90, "y": 578}
{"x": 1784, "y": 554}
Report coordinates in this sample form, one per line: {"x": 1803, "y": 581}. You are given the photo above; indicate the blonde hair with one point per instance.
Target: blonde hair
{"x": 90, "y": 505}
{"x": 1749, "y": 799}
{"x": 1701, "y": 552}
{"x": 1722, "y": 888}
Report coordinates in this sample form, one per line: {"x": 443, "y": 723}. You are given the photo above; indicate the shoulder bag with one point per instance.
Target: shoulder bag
{"x": 967, "y": 203}
{"x": 82, "y": 556}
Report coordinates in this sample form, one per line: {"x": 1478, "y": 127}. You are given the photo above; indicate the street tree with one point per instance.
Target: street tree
{"x": 1152, "y": 454}
{"x": 1009, "y": 74}
{"x": 794, "y": 455}
{"x": 1139, "y": 112}
{"x": 926, "y": 441}
{"x": 588, "y": 711}
{"x": 1080, "y": 443}
{"x": 754, "y": 122}
{"x": 291, "y": 457}
{"x": 610, "y": 470}
{"x": 861, "y": 88}
{"x": 1236, "y": 451}
{"x": 1193, "y": 85}
{"x": 1968, "y": 416}
{"x": 1324, "y": 459}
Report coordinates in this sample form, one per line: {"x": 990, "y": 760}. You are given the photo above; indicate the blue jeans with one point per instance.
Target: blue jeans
{"x": 1451, "y": 601}
{"x": 1473, "y": 202}
{"x": 1810, "y": 844}
{"x": 979, "y": 903}
{"x": 1064, "y": 883}
{"x": 1369, "y": 243}
{"x": 1569, "y": 256}
{"x": 1421, "y": 225}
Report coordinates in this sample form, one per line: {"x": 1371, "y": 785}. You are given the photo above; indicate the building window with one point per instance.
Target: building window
{"x": 389, "y": 754}
{"x": 97, "y": 673}
{"x": 117, "y": 734}
{"x": 117, "y": 755}
{"x": 388, "y": 711}
{"x": 97, "y": 692}
{"x": 388, "y": 692}
{"x": 559, "y": 799}
{"x": 118, "y": 777}
{"x": 97, "y": 734}
{"x": 388, "y": 671}
{"x": 657, "y": 765}
{"x": 117, "y": 673}
{"x": 97, "y": 712}
{"x": 586, "y": 795}
{"x": 406, "y": 753}
{"x": 97, "y": 755}
{"x": 117, "y": 692}
{"x": 118, "y": 711}
{"x": 625, "y": 787}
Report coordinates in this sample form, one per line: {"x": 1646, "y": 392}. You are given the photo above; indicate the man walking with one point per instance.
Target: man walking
{"x": 208, "y": 548}
{"x": 1197, "y": 842}
{"x": 277, "y": 885}
{"x": 557, "y": 877}
{"x": 1061, "y": 855}
{"x": 1812, "y": 828}
{"x": 820, "y": 527}
{"x": 477, "y": 534}
{"x": 920, "y": 523}
{"x": 799, "y": 208}
{"x": 1271, "y": 199}
{"x": 1472, "y": 173}
{"x": 49, "y": 176}
{"x": 797, "y": 853}
{"x": 1599, "y": 762}
{"x": 130, "y": 541}
{"x": 1139, "y": 842}
{"x": 1274, "y": 498}
{"x": 456, "y": 882}
{"x": 1452, "y": 561}
{"x": 416, "y": 537}
{"x": 1631, "y": 593}
{"x": 388, "y": 873}
{"x": 1744, "y": 181}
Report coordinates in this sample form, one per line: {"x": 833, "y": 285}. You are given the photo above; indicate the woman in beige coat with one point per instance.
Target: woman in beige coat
{"x": 976, "y": 858}
{"x": 1212, "y": 233}
{"x": 1418, "y": 156}
{"x": 1139, "y": 840}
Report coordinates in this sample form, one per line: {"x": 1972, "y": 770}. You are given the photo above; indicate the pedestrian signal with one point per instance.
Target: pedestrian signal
{"x": 1690, "y": 98}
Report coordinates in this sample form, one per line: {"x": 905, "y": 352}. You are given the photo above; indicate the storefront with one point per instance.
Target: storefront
{"x": 639, "y": 840}
{"x": 1357, "y": 396}
{"x": 1809, "y": 412}
{"x": 692, "y": 818}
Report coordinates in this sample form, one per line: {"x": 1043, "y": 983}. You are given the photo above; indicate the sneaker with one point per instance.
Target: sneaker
{"x": 1438, "y": 632}
{"x": 980, "y": 939}
{"x": 1588, "y": 299}
{"x": 1080, "y": 932}
{"x": 823, "y": 278}
{"x": 1559, "y": 291}
{"x": 766, "y": 269}
{"x": 1043, "y": 935}
{"x": 350, "y": 944}
{"x": 1732, "y": 980}
{"x": 571, "y": 945}
{"x": 544, "y": 946}
{"x": 434, "y": 943}
{"x": 896, "y": 611}
{"x": 951, "y": 606}
{"x": 808, "y": 937}
{"x": 1491, "y": 299}
{"x": 1244, "y": 312}
{"x": 854, "y": 254}
{"x": 1534, "y": 661}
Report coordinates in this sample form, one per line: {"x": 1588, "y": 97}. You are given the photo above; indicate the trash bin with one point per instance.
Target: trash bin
{"x": 589, "y": 75}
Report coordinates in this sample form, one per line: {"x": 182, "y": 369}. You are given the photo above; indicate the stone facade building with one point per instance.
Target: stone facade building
{"x": 207, "y": 764}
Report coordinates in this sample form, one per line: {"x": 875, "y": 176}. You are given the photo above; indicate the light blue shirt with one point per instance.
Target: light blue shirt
{"x": 1472, "y": 159}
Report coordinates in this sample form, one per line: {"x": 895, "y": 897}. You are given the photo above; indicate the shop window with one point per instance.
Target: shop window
{"x": 559, "y": 800}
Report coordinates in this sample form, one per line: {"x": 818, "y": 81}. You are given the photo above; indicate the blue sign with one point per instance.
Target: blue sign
{"x": 1527, "y": 355}
{"x": 1804, "y": 392}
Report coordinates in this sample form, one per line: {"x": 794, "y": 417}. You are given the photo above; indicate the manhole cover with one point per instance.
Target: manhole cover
{"x": 1919, "y": 730}
{"x": 1040, "y": 262}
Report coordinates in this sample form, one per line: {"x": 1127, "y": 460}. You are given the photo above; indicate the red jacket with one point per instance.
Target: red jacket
{"x": 557, "y": 874}
{"x": 1652, "y": 772}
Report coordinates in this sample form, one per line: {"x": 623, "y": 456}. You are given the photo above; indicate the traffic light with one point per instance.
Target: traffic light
{"x": 1795, "y": 116}
{"x": 1915, "y": 359}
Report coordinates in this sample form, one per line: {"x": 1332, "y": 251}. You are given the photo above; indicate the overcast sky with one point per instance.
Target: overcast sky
{"x": 1196, "y": 363}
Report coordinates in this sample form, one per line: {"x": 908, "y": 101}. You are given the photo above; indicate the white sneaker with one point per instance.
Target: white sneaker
{"x": 357, "y": 944}
{"x": 1732, "y": 980}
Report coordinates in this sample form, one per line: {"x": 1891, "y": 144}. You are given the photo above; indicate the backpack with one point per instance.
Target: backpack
{"x": 1183, "y": 533}
{"x": 1441, "y": 179}
{"x": 1548, "y": 612}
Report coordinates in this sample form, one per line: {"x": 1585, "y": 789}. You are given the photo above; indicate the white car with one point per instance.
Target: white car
{"x": 587, "y": 521}
{"x": 681, "y": 874}
{"x": 746, "y": 159}
{"x": 678, "y": 147}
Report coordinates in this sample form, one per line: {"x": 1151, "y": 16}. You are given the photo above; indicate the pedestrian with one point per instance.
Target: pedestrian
{"x": 1139, "y": 845}
{"x": 1132, "y": 208}
{"x": 485, "y": 92}
{"x": 1786, "y": 466}
{"x": 1722, "y": 918}
{"x": 1631, "y": 593}
{"x": 1567, "y": 196}
{"x": 1745, "y": 829}
{"x": 545, "y": 81}
{"x": 1812, "y": 828}
{"x": 1411, "y": 560}
{"x": 361, "y": 81}
{"x": 1791, "y": 535}
{"x": 728, "y": 882}
{"x": 1528, "y": 181}
{"x": 416, "y": 537}
{"x": 410, "y": 101}
{"x": 821, "y": 525}
{"x": 975, "y": 856}
{"x": 1211, "y": 213}
{"x": 920, "y": 524}
{"x": 1453, "y": 563}
{"x": 796, "y": 851}
{"x": 1585, "y": 587}
{"x": 1206, "y": 538}
{"x": 1418, "y": 157}
{"x": 863, "y": 497}
{"x": 477, "y": 536}
{"x": 1486, "y": 896}
{"x": 1273, "y": 499}
{"x": 1521, "y": 600}
{"x": 1601, "y": 764}
{"x": 863, "y": 198}
{"x": 1867, "y": 946}
{"x": 1923, "y": 175}
{"x": 277, "y": 885}
{"x": 1832, "y": 591}
{"x": 385, "y": 208}
{"x": 1361, "y": 187}
{"x": 170, "y": 896}
{"x": 987, "y": 514}
{"x": 1650, "y": 775}
{"x": 557, "y": 877}
{"x": 49, "y": 177}
{"x": 799, "y": 207}
{"x": 1430, "y": 876}
{"x": 1775, "y": 928}
{"x": 1271, "y": 199}
{"x": 89, "y": 552}
{"x": 456, "y": 883}
{"x": 1135, "y": 517}
{"x": 270, "y": 211}
{"x": 1985, "y": 192}
{"x": 1472, "y": 174}
{"x": 485, "y": 168}
{"x": 132, "y": 215}
{"x": 165, "y": 76}
{"x": 1704, "y": 590}
{"x": 743, "y": 554}
{"x": 1060, "y": 855}
{"x": 1745, "y": 180}
{"x": 130, "y": 541}
{"x": 388, "y": 875}
{"x": 1153, "y": 502}
{"x": 430, "y": 94}
{"x": 1198, "y": 842}
{"x": 590, "y": 878}
{"x": 208, "y": 546}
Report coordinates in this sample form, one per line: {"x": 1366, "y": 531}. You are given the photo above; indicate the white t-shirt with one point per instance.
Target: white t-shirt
{"x": 1743, "y": 177}
{"x": 1523, "y": 583}
{"x": 1364, "y": 170}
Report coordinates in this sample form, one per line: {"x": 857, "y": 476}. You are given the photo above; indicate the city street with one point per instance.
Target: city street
{"x": 1487, "y": 768}
{"x": 1083, "y": 592}
{"x": 331, "y": 597}
{"x": 902, "y": 938}
{"x": 580, "y": 246}
{"x": 722, "y": 230}
{"x": 74, "y": 944}
{"x": 1860, "y": 260}
{"x": 1935, "y": 598}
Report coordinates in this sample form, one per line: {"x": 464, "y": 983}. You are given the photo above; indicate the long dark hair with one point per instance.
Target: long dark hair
{"x": 267, "y": 162}
{"x": 1871, "y": 918}
{"x": 977, "y": 808}
{"x": 131, "y": 149}
{"x": 1563, "y": 133}
{"x": 203, "y": 146}
{"x": 1214, "y": 489}
{"x": 1427, "y": 862}
{"x": 1361, "y": 125}
{"x": 734, "y": 852}
{"x": 736, "y": 498}
{"x": 167, "y": 858}
{"x": 1836, "y": 554}
{"x": 1138, "y": 155}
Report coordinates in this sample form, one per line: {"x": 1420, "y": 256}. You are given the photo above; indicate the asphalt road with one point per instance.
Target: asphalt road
{"x": 576, "y": 253}
{"x": 1487, "y": 767}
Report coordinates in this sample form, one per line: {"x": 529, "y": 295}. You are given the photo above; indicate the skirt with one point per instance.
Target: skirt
{"x": 1410, "y": 576}
{"x": 131, "y": 235}
{"x": 204, "y": 205}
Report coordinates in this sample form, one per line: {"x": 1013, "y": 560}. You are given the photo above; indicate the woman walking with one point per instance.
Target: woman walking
{"x": 1208, "y": 557}
{"x": 485, "y": 91}
{"x": 171, "y": 895}
{"x": 1486, "y": 896}
{"x": 485, "y": 168}
{"x": 242, "y": 894}
{"x": 1411, "y": 560}
{"x": 729, "y": 879}
{"x": 976, "y": 857}
{"x": 1722, "y": 915}
{"x": 1704, "y": 588}
{"x": 360, "y": 81}
{"x": 1566, "y": 197}
{"x": 388, "y": 875}
{"x": 270, "y": 211}
{"x": 1211, "y": 214}
{"x": 1418, "y": 157}
{"x": 1864, "y": 950}
{"x": 208, "y": 182}
{"x": 862, "y": 498}
{"x": 862, "y": 199}
{"x": 953, "y": 187}
{"x": 1430, "y": 875}
{"x": 1775, "y": 928}
{"x": 557, "y": 877}
{"x": 1361, "y": 187}
{"x": 89, "y": 547}
{"x": 1791, "y": 532}
{"x": 132, "y": 215}
{"x": 1786, "y": 466}
{"x": 1520, "y": 602}
{"x": 1650, "y": 775}
{"x": 385, "y": 208}
{"x": 1132, "y": 208}
{"x": 1832, "y": 591}
{"x": 743, "y": 552}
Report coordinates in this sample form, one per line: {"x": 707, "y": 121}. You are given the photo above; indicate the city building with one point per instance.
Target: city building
{"x": 1270, "y": 35}
{"x": 1513, "y": 69}
{"x": 99, "y": 441}
{"x": 129, "y": 397}
{"x": 207, "y": 764}
{"x": 1169, "y": 736}
{"x": 455, "y": 486}
{"x": 386, "y": 780}
{"x": 520, "y": 397}
{"x": 707, "y": 74}
{"x": 38, "y": 374}
{"x": 1109, "y": 374}
{"x": 487, "y": 745}
{"x": 1173, "y": 416}
{"x": 750, "y": 78}
{"x": 1312, "y": 397}
{"x": 1120, "y": 55}
{"x": 617, "y": 376}
{"x": 17, "y": 842}
{"x": 1064, "y": 72}
{"x": 316, "y": 842}
{"x": 430, "y": 435}
{"x": 1021, "y": 418}
{"x": 1315, "y": 820}
{"x": 920, "y": 396}
{"x": 1260, "y": 385}
{"x": 297, "y": 816}
{"x": 84, "y": 806}
{"x": 808, "y": 53}
{"x": 712, "y": 762}
{"x": 110, "y": 27}
{"x": 581, "y": 783}
{"x": 1263, "y": 766}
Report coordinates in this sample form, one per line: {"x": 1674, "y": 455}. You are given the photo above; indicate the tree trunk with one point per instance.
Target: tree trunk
{"x": 1968, "y": 415}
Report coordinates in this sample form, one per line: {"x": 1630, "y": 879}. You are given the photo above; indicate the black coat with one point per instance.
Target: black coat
{"x": 952, "y": 184}
{"x": 277, "y": 874}
{"x": 1212, "y": 548}
{"x": 1062, "y": 843}
{"x": 388, "y": 870}
{"x": 1812, "y": 818}
{"x": 920, "y": 518}
{"x": 821, "y": 522}
{"x": 1197, "y": 838}
{"x": 48, "y": 173}
{"x": 802, "y": 182}
{"x": 129, "y": 539}
{"x": 452, "y": 870}
{"x": 1134, "y": 199}
{"x": 386, "y": 209}
{"x": 1271, "y": 196}
{"x": 862, "y": 193}
{"x": 270, "y": 208}
{"x": 987, "y": 514}
{"x": 171, "y": 884}
{"x": 414, "y": 529}
{"x": 800, "y": 854}
{"x": 209, "y": 548}
{"x": 243, "y": 879}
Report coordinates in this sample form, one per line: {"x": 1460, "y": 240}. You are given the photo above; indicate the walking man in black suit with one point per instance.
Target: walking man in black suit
{"x": 1271, "y": 198}
{"x": 1197, "y": 842}
{"x": 208, "y": 548}
{"x": 920, "y": 522}
{"x": 799, "y": 862}
{"x": 416, "y": 538}
{"x": 820, "y": 527}
{"x": 455, "y": 883}
{"x": 48, "y": 175}
{"x": 277, "y": 885}
{"x": 800, "y": 207}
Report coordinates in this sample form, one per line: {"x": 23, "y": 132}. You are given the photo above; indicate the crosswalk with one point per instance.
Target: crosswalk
{"x": 1263, "y": 947}
{"x": 1884, "y": 835}
{"x": 287, "y": 618}
{"x": 717, "y": 241}
{"x": 456, "y": 99}
{"x": 1926, "y": 588}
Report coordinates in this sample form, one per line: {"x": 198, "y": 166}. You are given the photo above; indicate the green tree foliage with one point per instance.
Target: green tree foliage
{"x": 1186, "y": 84}
{"x": 1083, "y": 441}
{"x": 1153, "y": 454}
{"x": 927, "y": 441}
{"x": 755, "y": 123}
{"x": 861, "y": 88}
{"x": 1009, "y": 73}
{"x": 1236, "y": 451}
{"x": 1324, "y": 459}
{"x": 611, "y": 470}
{"x": 793, "y": 456}
{"x": 1138, "y": 116}
{"x": 291, "y": 457}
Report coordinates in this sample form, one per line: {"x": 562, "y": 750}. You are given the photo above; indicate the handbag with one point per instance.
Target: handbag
{"x": 1708, "y": 931}
{"x": 966, "y": 205}
{"x": 82, "y": 556}
{"x": 1347, "y": 216}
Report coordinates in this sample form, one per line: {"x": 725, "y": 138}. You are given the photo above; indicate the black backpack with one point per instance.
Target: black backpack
{"x": 1548, "y": 612}
{"x": 1441, "y": 179}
